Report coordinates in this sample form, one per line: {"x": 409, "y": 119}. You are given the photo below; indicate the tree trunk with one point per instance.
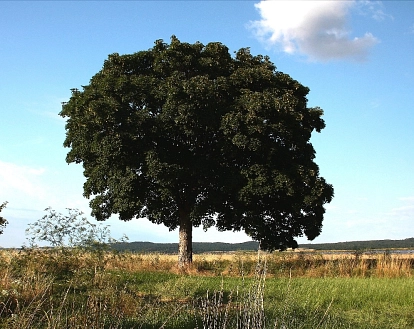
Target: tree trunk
{"x": 185, "y": 244}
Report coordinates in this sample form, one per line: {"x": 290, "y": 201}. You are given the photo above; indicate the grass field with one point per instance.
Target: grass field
{"x": 86, "y": 289}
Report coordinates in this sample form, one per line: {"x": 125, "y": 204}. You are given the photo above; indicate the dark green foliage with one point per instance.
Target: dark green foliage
{"x": 3, "y": 221}
{"x": 186, "y": 134}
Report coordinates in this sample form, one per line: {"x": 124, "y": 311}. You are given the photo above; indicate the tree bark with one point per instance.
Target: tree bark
{"x": 185, "y": 244}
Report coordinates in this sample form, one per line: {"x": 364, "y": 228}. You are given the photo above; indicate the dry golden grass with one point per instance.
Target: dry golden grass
{"x": 82, "y": 288}
{"x": 283, "y": 264}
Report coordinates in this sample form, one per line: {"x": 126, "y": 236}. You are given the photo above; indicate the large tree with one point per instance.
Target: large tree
{"x": 187, "y": 135}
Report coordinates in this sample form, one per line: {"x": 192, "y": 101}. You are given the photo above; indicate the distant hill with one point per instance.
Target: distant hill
{"x": 361, "y": 245}
{"x": 198, "y": 247}
{"x": 201, "y": 247}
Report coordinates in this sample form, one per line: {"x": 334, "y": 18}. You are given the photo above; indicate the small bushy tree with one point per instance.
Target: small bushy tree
{"x": 3, "y": 221}
{"x": 72, "y": 230}
{"x": 71, "y": 236}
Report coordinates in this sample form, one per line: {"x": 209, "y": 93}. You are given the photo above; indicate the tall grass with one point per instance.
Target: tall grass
{"x": 80, "y": 289}
{"x": 286, "y": 264}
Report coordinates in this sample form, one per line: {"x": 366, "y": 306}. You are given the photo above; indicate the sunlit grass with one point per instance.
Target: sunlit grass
{"x": 82, "y": 289}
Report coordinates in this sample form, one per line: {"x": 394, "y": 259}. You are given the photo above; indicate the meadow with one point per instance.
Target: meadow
{"x": 78, "y": 288}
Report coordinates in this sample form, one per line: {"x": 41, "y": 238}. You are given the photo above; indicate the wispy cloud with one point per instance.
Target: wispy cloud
{"x": 48, "y": 108}
{"x": 406, "y": 211}
{"x": 317, "y": 29}
{"x": 35, "y": 188}
{"x": 20, "y": 180}
{"x": 408, "y": 199}
{"x": 376, "y": 103}
{"x": 29, "y": 190}
{"x": 373, "y": 9}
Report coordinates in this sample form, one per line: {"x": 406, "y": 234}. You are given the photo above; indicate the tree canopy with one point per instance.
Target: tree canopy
{"x": 187, "y": 135}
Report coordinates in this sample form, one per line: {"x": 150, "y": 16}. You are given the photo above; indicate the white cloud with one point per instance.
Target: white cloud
{"x": 408, "y": 199}
{"x": 405, "y": 212}
{"x": 29, "y": 190}
{"x": 20, "y": 180}
{"x": 23, "y": 188}
{"x": 316, "y": 29}
{"x": 35, "y": 188}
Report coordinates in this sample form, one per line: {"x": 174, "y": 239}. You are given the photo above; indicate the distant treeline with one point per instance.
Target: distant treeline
{"x": 363, "y": 245}
{"x": 202, "y": 247}
{"x": 198, "y": 247}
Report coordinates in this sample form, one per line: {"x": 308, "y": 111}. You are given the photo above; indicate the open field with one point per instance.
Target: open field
{"x": 87, "y": 289}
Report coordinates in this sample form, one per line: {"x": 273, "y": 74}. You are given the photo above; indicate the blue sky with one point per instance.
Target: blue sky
{"x": 355, "y": 56}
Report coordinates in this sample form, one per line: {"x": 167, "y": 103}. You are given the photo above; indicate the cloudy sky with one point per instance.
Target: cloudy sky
{"x": 355, "y": 56}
